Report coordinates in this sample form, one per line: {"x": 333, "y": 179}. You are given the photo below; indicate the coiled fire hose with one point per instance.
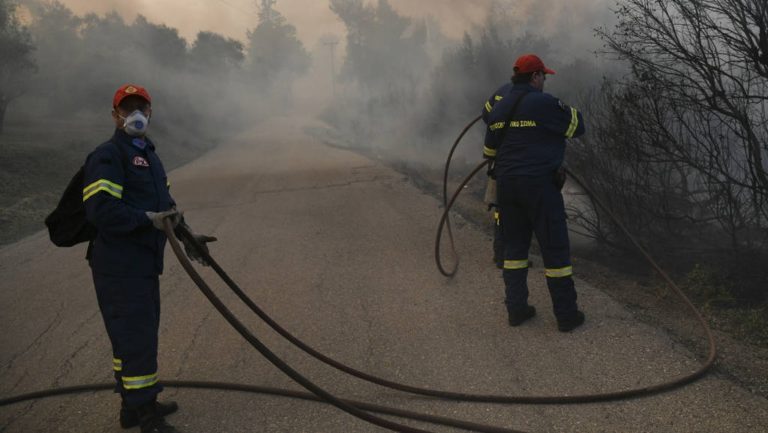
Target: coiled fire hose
{"x": 359, "y": 408}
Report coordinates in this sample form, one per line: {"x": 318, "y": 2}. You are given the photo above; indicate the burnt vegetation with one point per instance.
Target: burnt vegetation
{"x": 679, "y": 145}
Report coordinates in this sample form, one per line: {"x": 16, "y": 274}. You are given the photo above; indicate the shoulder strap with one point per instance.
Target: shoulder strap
{"x": 514, "y": 109}
{"x": 512, "y": 113}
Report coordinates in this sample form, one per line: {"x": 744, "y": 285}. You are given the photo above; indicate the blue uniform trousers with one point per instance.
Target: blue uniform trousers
{"x": 535, "y": 205}
{"x": 130, "y": 307}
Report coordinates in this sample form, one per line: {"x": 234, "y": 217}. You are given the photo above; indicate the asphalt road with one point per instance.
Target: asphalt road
{"x": 338, "y": 248}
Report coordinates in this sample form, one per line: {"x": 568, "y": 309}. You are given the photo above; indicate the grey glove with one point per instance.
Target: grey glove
{"x": 157, "y": 218}
{"x": 192, "y": 251}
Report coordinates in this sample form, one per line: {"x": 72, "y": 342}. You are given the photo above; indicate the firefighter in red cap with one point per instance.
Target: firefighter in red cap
{"x": 127, "y": 198}
{"x": 526, "y": 137}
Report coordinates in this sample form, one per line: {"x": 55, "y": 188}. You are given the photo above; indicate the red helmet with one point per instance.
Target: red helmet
{"x": 531, "y": 63}
{"x": 129, "y": 90}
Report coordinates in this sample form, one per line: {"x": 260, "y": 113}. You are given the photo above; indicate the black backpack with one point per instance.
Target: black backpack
{"x": 67, "y": 225}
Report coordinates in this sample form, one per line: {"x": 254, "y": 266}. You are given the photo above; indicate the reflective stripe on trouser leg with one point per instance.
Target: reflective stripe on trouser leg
{"x": 563, "y": 272}
{"x": 117, "y": 370}
{"x": 139, "y": 382}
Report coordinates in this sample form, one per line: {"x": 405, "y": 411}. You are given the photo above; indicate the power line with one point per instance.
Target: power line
{"x": 332, "y": 43}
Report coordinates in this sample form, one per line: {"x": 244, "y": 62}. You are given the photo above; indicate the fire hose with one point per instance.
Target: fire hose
{"x": 362, "y": 409}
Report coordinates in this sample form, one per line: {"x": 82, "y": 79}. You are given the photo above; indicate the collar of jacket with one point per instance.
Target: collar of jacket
{"x": 525, "y": 87}
{"x": 122, "y": 138}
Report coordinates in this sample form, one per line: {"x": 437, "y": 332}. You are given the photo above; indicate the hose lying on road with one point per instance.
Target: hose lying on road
{"x": 253, "y": 389}
{"x": 355, "y": 408}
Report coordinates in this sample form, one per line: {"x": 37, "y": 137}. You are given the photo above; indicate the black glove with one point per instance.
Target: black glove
{"x": 193, "y": 251}
{"x": 189, "y": 246}
{"x": 560, "y": 177}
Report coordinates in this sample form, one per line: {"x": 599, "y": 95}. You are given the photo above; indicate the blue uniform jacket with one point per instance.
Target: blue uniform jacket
{"x": 532, "y": 143}
{"x": 124, "y": 178}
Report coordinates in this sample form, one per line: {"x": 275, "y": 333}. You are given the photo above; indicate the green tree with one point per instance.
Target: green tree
{"x": 54, "y": 30}
{"x": 213, "y": 53}
{"x": 276, "y": 56}
{"x": 385, "y": 50}
{"x": 15, "y": 57}
{"x": 161, "y": 43}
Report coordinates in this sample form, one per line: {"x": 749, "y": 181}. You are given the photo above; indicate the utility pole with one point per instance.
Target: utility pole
{"x": 266, "y": 9}
{"x": 331, "y": 42}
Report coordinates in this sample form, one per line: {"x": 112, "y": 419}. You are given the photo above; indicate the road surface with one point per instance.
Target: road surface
{"x": 338, "y": 248}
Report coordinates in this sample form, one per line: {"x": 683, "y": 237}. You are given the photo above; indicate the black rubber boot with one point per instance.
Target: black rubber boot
{"x": 152, "y": 421}
{"x": 130, "y": 417}
{"x": 571, "y": 323}
{"x": 516, "y": 318}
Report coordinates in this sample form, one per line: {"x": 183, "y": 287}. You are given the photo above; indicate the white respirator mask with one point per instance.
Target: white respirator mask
{"x": 135, "y": 124}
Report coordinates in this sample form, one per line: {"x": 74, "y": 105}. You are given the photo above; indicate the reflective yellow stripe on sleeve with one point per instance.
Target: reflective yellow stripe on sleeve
{"x": 498, "y": 98}
{"x": 139, "y": 382}
{"x": 574, "y": 123}
{"x": 560, "y": 273}
{"x": 488, "y": 106}
{"x": 514, "y": 265}
{"x": 110, "y": 188}
{"x": 491, "y": 153}
{"x": 117, "y": 364}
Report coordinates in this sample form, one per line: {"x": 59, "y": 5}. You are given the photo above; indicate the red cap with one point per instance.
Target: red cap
{"x": 531, "y": 63}
{"x": 129, "y": 90}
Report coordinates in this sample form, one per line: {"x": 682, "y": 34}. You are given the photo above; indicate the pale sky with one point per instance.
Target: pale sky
{"x": 312, "y": 18}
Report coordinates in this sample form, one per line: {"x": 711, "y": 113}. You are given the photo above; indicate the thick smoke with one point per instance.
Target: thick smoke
{"x": 410, "y": 86}
{"x": 204, "y": 88}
